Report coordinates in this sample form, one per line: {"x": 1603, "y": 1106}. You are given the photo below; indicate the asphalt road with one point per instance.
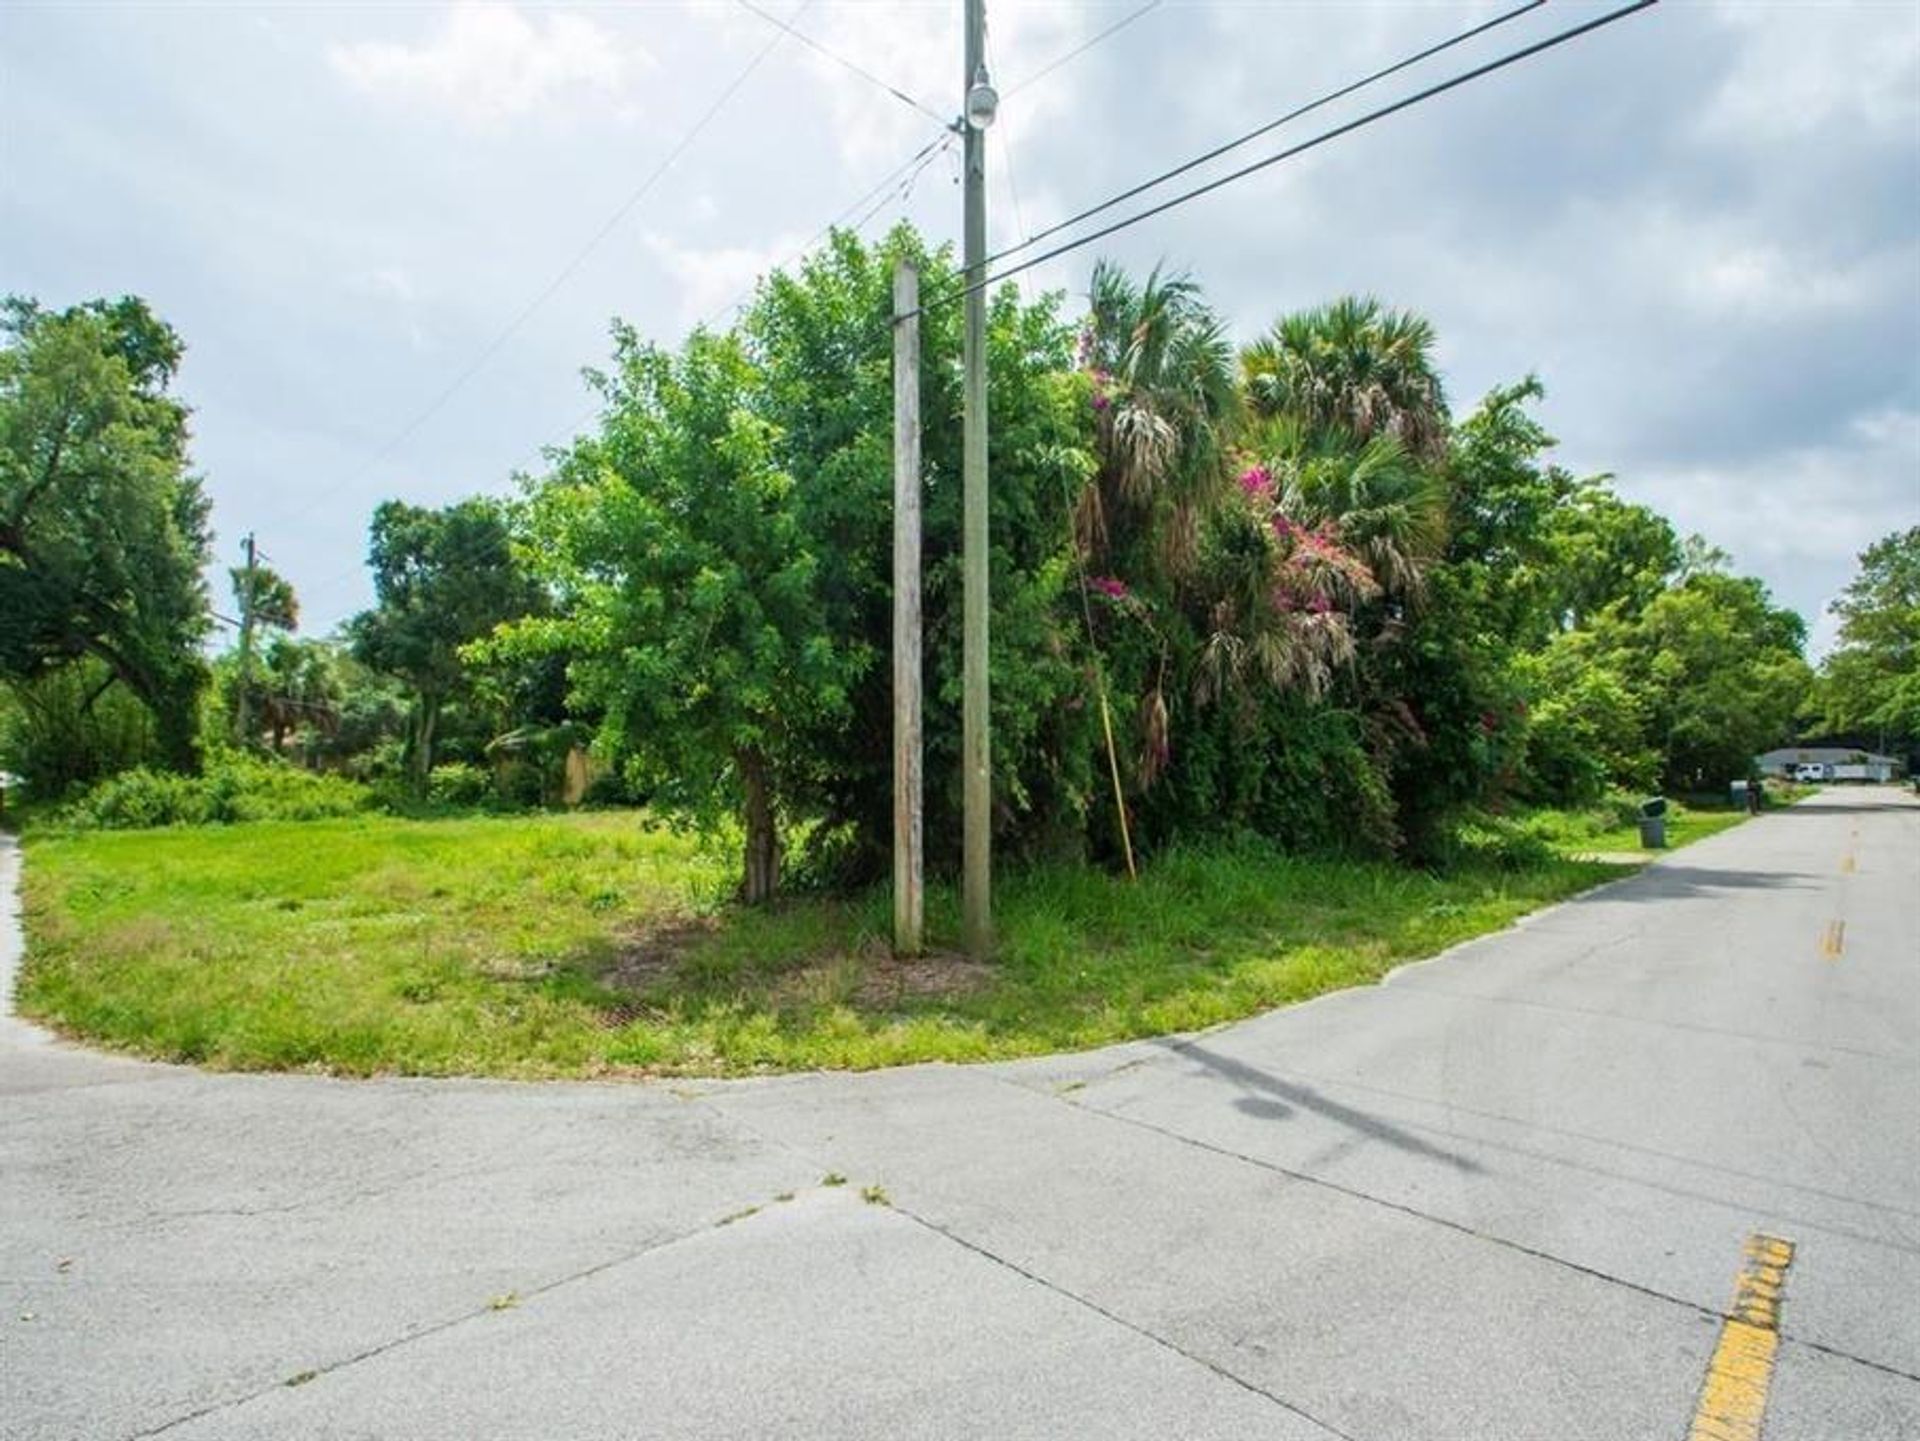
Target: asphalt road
{"x": 1504, "y": 1195}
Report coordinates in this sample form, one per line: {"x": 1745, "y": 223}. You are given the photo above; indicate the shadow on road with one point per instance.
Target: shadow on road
{"x": 1850, "y": 808}
{"x": 1673, "y": 882}
{"x": 1273, "y": 1099}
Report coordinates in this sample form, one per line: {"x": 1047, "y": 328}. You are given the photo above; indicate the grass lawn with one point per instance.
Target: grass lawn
{"x": 1595, "y": 834}
{"x": 598, "y": 945}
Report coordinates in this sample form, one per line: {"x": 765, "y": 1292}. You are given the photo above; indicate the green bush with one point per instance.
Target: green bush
{"x": 459, "y": 785}
{"x": 231, "y": 788}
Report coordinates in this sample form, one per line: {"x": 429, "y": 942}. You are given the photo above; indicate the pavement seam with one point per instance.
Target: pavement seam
{"x": 1622, "y": 1017}
{"x": 1315, "y": 1078}
{"x": 1118, "y": 1320}
{"x": 395, "y": 1343}
{"x": 1461, "y": 1228}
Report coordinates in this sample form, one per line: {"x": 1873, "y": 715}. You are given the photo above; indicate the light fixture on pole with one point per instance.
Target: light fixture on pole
{"x": 983, "y": 101}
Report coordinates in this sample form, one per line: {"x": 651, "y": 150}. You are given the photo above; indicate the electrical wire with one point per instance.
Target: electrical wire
{"x": 566, "y": 272}
{"x": 1419, "y": 97}
{"x": 1214, "y": 154}
{"x": 1084, "y": 46}
{"x": 842, "y": 61}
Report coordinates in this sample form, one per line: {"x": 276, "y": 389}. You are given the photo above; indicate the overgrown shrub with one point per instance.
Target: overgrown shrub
{"x": 230, "y": 788}
{"x": 457, "y": 784}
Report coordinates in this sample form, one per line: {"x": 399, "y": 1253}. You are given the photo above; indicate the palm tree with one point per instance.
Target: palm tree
{"x": 1385, "y": 507}
{"x": 1164, "y": 388}
{"x": 1352, "y": 367}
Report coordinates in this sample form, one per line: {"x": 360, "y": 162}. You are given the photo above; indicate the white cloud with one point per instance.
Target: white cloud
{"x": 487, "y": 64}
{"x": 1847, "y": 66}
{"x": 710, "y": 279}
{"x": 1803, "y": 515}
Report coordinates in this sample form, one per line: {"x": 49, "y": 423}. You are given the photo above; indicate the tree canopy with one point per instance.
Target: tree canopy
{"x": 103, "y": 527}
{"x": 442, "y": 579}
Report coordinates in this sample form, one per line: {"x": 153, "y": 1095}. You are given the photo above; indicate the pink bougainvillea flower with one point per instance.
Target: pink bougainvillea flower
{"x": 1109, "y": 587}
{"x": 1257, "y": 480}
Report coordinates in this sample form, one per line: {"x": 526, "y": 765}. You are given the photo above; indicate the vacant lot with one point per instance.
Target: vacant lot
{"x": 600, "y": 944}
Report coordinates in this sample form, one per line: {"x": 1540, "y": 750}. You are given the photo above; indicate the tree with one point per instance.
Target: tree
{"x": 821, "y": 342}
{"x": 673, "y": 541}
{"x": 1165, "y": 398}
{"x": 265, "y": 601}
{"x": 1872, "y": 680}
{"x": 442, "y": 579}
{"x": 103, "y": 529}
{"x": 272, "y": 598}
{"x": 1353, "y": 366}
{"x": 1720, "y": 673}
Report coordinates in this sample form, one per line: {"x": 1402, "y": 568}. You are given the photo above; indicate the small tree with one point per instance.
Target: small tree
{"x": 442, "y": 579}
{"x": 687, "y": 587}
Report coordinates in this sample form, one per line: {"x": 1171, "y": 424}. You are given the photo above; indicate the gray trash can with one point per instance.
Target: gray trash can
{"x": 1738, "y": 794}
{"x": 1653, "y": 823}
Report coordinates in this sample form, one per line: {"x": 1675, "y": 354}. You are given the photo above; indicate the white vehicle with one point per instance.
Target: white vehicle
{"x": 1809, "y": 771}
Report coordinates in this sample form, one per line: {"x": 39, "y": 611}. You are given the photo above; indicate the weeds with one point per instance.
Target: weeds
{"x": 596, "y": 945}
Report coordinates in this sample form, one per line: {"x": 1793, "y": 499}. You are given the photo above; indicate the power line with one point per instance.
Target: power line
{"x": 1291, "y": 151}
{"x": 884, "y": 188}
{"x": 512, "y": 327}
{"x": 898, "y": 192}
{"x": 1084, "y": 46}
{"x": 1271, "y": 125}
{"x": 842, "y": 61}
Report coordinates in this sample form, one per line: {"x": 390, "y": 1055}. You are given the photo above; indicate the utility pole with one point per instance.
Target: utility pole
{"x": 909, "y": 904}
{"x": 246, "y": 645}
{"x": 975, "y": 754}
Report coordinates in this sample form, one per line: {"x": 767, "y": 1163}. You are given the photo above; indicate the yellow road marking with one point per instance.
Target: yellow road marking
{"x": 1833, "y": 940}
{"x": 1733, "y": 1398}
{"x": 1846, "y": 864}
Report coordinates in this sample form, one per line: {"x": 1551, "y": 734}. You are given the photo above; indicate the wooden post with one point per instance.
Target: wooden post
{"x": 909, "y": 904}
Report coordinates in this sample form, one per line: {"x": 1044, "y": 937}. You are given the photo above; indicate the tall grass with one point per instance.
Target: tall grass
{"x": 597, "y": 944}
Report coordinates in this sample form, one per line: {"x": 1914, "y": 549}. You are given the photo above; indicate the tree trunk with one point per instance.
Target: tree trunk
{"x": 426, "y": 719}
{"x": 761, "y": 876}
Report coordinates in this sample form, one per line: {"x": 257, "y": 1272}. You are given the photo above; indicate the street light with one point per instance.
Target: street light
{"x": 983, "y": 101}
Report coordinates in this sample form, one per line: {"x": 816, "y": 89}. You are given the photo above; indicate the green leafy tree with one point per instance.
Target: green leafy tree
{"x": 721, "y": 554}
{"x": 1719, "y": 670}
{"x": 268, "y": 594}
{"x": 821, "y": 342}
{"x": 1871, "y": 682}
{"x": 442, "y": 579}
{"x": 673, "y": 541}
{"x": 103, "y": 529}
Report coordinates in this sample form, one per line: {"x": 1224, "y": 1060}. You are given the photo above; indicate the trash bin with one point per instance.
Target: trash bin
{"x": 1737, "y": 793}
{"x": 1653, "y": 823}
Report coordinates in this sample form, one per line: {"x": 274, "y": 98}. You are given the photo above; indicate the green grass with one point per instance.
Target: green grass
{"x": 1602, "y": 830}
{"x": 597, "y": 945}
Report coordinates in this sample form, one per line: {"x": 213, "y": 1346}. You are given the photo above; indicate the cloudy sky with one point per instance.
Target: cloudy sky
{"x": 392, "y": 234}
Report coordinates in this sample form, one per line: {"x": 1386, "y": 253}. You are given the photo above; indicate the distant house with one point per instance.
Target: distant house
{"x": 1843, "y": 763}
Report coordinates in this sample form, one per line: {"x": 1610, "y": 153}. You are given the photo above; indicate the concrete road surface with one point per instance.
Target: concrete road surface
{"x": 1508, "y": 1194}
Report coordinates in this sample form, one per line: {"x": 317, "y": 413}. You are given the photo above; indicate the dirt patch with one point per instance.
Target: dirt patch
{"x": 947, "y": 975}
{"x": 871, "y": 979}
{"x": 651, "y": 956}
